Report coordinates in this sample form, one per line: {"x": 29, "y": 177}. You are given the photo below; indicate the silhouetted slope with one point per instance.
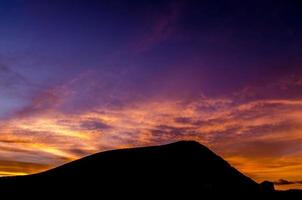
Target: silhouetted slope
{"x": 180, "y": 169}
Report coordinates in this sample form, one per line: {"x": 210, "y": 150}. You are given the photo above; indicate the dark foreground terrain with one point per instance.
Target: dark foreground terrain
{"x": 183, "y": 169}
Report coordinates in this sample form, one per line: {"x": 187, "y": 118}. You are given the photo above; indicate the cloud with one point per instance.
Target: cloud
{"x": 252, "y": 130}
{"x": 286, "y": 182}
{"x": 283, "y": 182}
{"x": 12, "y": 168}
{"x": 287, "y": 86}
{"x": 94, "y": 124}
{"x": 260, "y": 137}
{"x": 184, "y": 120}
{"x": 10, "y": 79}
{"x": 46, "y": 99}
{"x": 162, "y": 27}
{"x": 14, "y": 91}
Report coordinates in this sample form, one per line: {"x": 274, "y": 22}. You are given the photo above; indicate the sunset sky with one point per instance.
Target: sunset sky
{"x": 80, "y": 77}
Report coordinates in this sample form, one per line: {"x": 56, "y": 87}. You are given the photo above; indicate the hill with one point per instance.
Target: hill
{"x": 182, "y": 169}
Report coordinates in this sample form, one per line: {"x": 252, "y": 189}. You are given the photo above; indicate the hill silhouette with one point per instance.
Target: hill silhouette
{"x": 182, "y": 169}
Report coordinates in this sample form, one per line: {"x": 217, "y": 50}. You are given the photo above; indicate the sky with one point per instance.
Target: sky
{"x": 79, "y": 77}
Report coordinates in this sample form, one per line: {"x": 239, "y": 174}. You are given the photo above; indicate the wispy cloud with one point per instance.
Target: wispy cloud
{"x": 10, "y": 79}
{"x": 262, "y": 137}
{"x": 286, "y": 182}
{"x": 162, "y": 27}
{"x": 14, "y": 89}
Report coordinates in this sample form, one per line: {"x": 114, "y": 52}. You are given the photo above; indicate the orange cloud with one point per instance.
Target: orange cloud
{"x": 262, "y": 138}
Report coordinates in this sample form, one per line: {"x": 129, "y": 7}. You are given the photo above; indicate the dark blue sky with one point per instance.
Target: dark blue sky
{"x": 233, "y": 42}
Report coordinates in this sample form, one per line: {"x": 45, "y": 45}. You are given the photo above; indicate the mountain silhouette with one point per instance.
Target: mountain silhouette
{"x": 183, "y": 169}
